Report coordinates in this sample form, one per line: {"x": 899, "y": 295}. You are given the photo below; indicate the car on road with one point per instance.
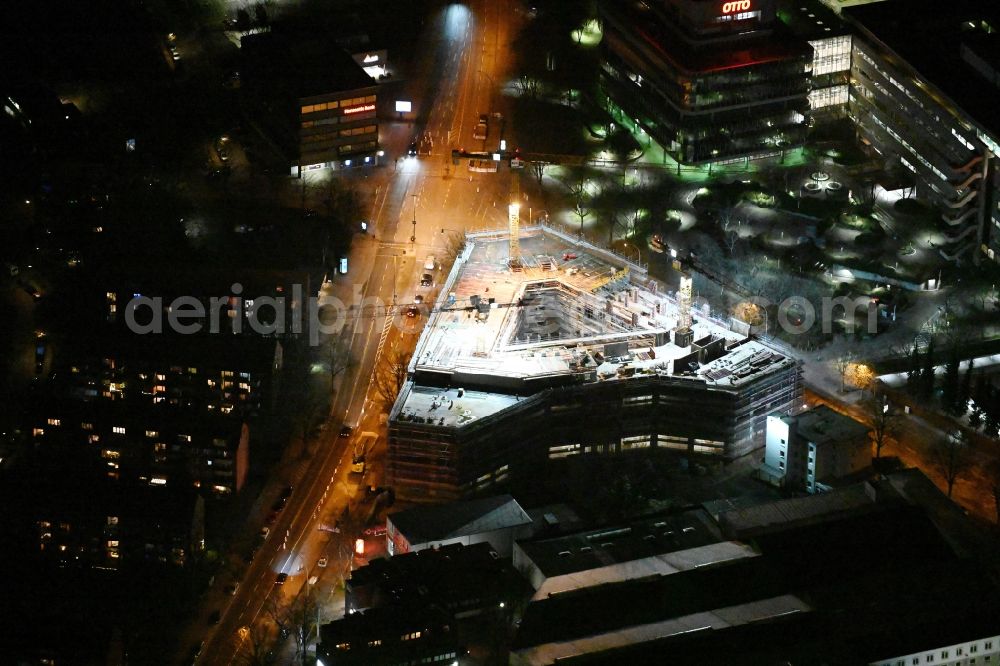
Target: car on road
{"x": 411, "y": 150}
{"x": 418, "y": 298}
{"x": 215, "y": 617}
{"x": 232, "y": 587}
{"x": 479, "y": 132}
{"x": 221, "y": 148}
{"x": 280, "y": 579}
{"x": 412, "y": 311}
{"x": 321, "y": 563}
{"x": 264, "y": 531}
{"x": 426, "y": 280}
{"x": 346, "y": 431}
{"x": 376, "y": 531}
{"x": 484, "y": 118}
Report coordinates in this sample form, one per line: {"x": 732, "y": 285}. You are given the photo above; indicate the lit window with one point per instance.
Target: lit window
{"x": 37, "y": 432}
{"x": 152, "y": 433}
{"x": 54, "y": 422}
{"x": 118, "y": 430}
{"x": 87, "y": 426}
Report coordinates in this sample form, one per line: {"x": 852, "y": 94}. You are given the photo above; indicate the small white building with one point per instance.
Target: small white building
{"x": 497, "y": 520}
{"x": 981, "y": 651}
{"x": 808, "y": 449}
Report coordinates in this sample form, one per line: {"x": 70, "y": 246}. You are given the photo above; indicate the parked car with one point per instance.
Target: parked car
{"x": 286, "y": 492}
{"x": 346, "y": 431}
{"x": 418, "y": 298}
{"x": 412, "y": 311}
{"x": 280, "y": 579}
{"x": 322, "y": 563}
{"x": 264, "y": 531}
{"x": 215, "y": 617}
{"x": 426, "y": 280}
{"x": 232, "y": 587}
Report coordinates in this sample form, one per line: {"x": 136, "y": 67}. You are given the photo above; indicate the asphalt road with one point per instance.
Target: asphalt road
{"x": 464, "y": 55}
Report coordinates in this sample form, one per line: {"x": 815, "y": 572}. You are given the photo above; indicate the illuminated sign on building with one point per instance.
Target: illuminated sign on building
{"x": 359, "y": 109}
{"x": 736, "y": 6}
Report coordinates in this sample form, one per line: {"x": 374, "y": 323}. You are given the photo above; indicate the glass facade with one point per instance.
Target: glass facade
{"x": 740, "y": 98}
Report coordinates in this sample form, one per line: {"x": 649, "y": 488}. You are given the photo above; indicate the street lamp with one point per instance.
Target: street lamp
{"x": 413, "y": 236}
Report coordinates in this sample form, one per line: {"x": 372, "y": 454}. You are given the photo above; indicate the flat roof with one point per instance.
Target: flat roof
{"x": 812, "y": 20}
{"x": 569, "y": 315}
{"x": 456, "y": 519}
{"x": 823, "y": 426}
{"x": 828, "y": 564}
{"x": 930, "y": 38}
{"x": 664, "y": 564}
{"x": 771, "y": 43}
{"x": 638, "y": 539}
{"x": 304, "y": 65}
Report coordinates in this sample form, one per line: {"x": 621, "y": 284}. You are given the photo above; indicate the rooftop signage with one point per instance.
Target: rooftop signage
{"x": 736, "y": 6}
{"x": 359, "y": 109}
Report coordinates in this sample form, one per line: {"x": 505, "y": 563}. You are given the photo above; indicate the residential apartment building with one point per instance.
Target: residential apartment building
{"x": 710, "y": 81}
{"x": 316, "y": 102}
{"x": 149, "y": 445}
{"x": 390, "y": 635}
{"x": 810, "y": 449}
{"x": 922, "y": 86}
{"x": 118, "y": 524}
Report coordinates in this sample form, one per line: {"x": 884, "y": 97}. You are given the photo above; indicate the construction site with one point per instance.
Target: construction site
{"x": 541, "y": 347}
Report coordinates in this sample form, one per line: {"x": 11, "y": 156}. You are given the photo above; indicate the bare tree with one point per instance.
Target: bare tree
{"x": 453, "y": 246}
{"x": 883, "y": 422}
{"x": 336, "y": 356}
{"x": 538, "y": 170}
{"x": 527, "y": 85}
{"x": 581, "y": 208}
{"x": 952, "y": 455}
{"x": 390, "y": 375}
{"x": 274, "y": 609}
{"x": 843, "y": 364}
{"x": 260, "y": 645}
{"x": 302, "y": 619}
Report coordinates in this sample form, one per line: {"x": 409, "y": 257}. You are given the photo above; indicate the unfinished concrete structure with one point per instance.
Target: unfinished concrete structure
{"x": 571, "y": 353}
